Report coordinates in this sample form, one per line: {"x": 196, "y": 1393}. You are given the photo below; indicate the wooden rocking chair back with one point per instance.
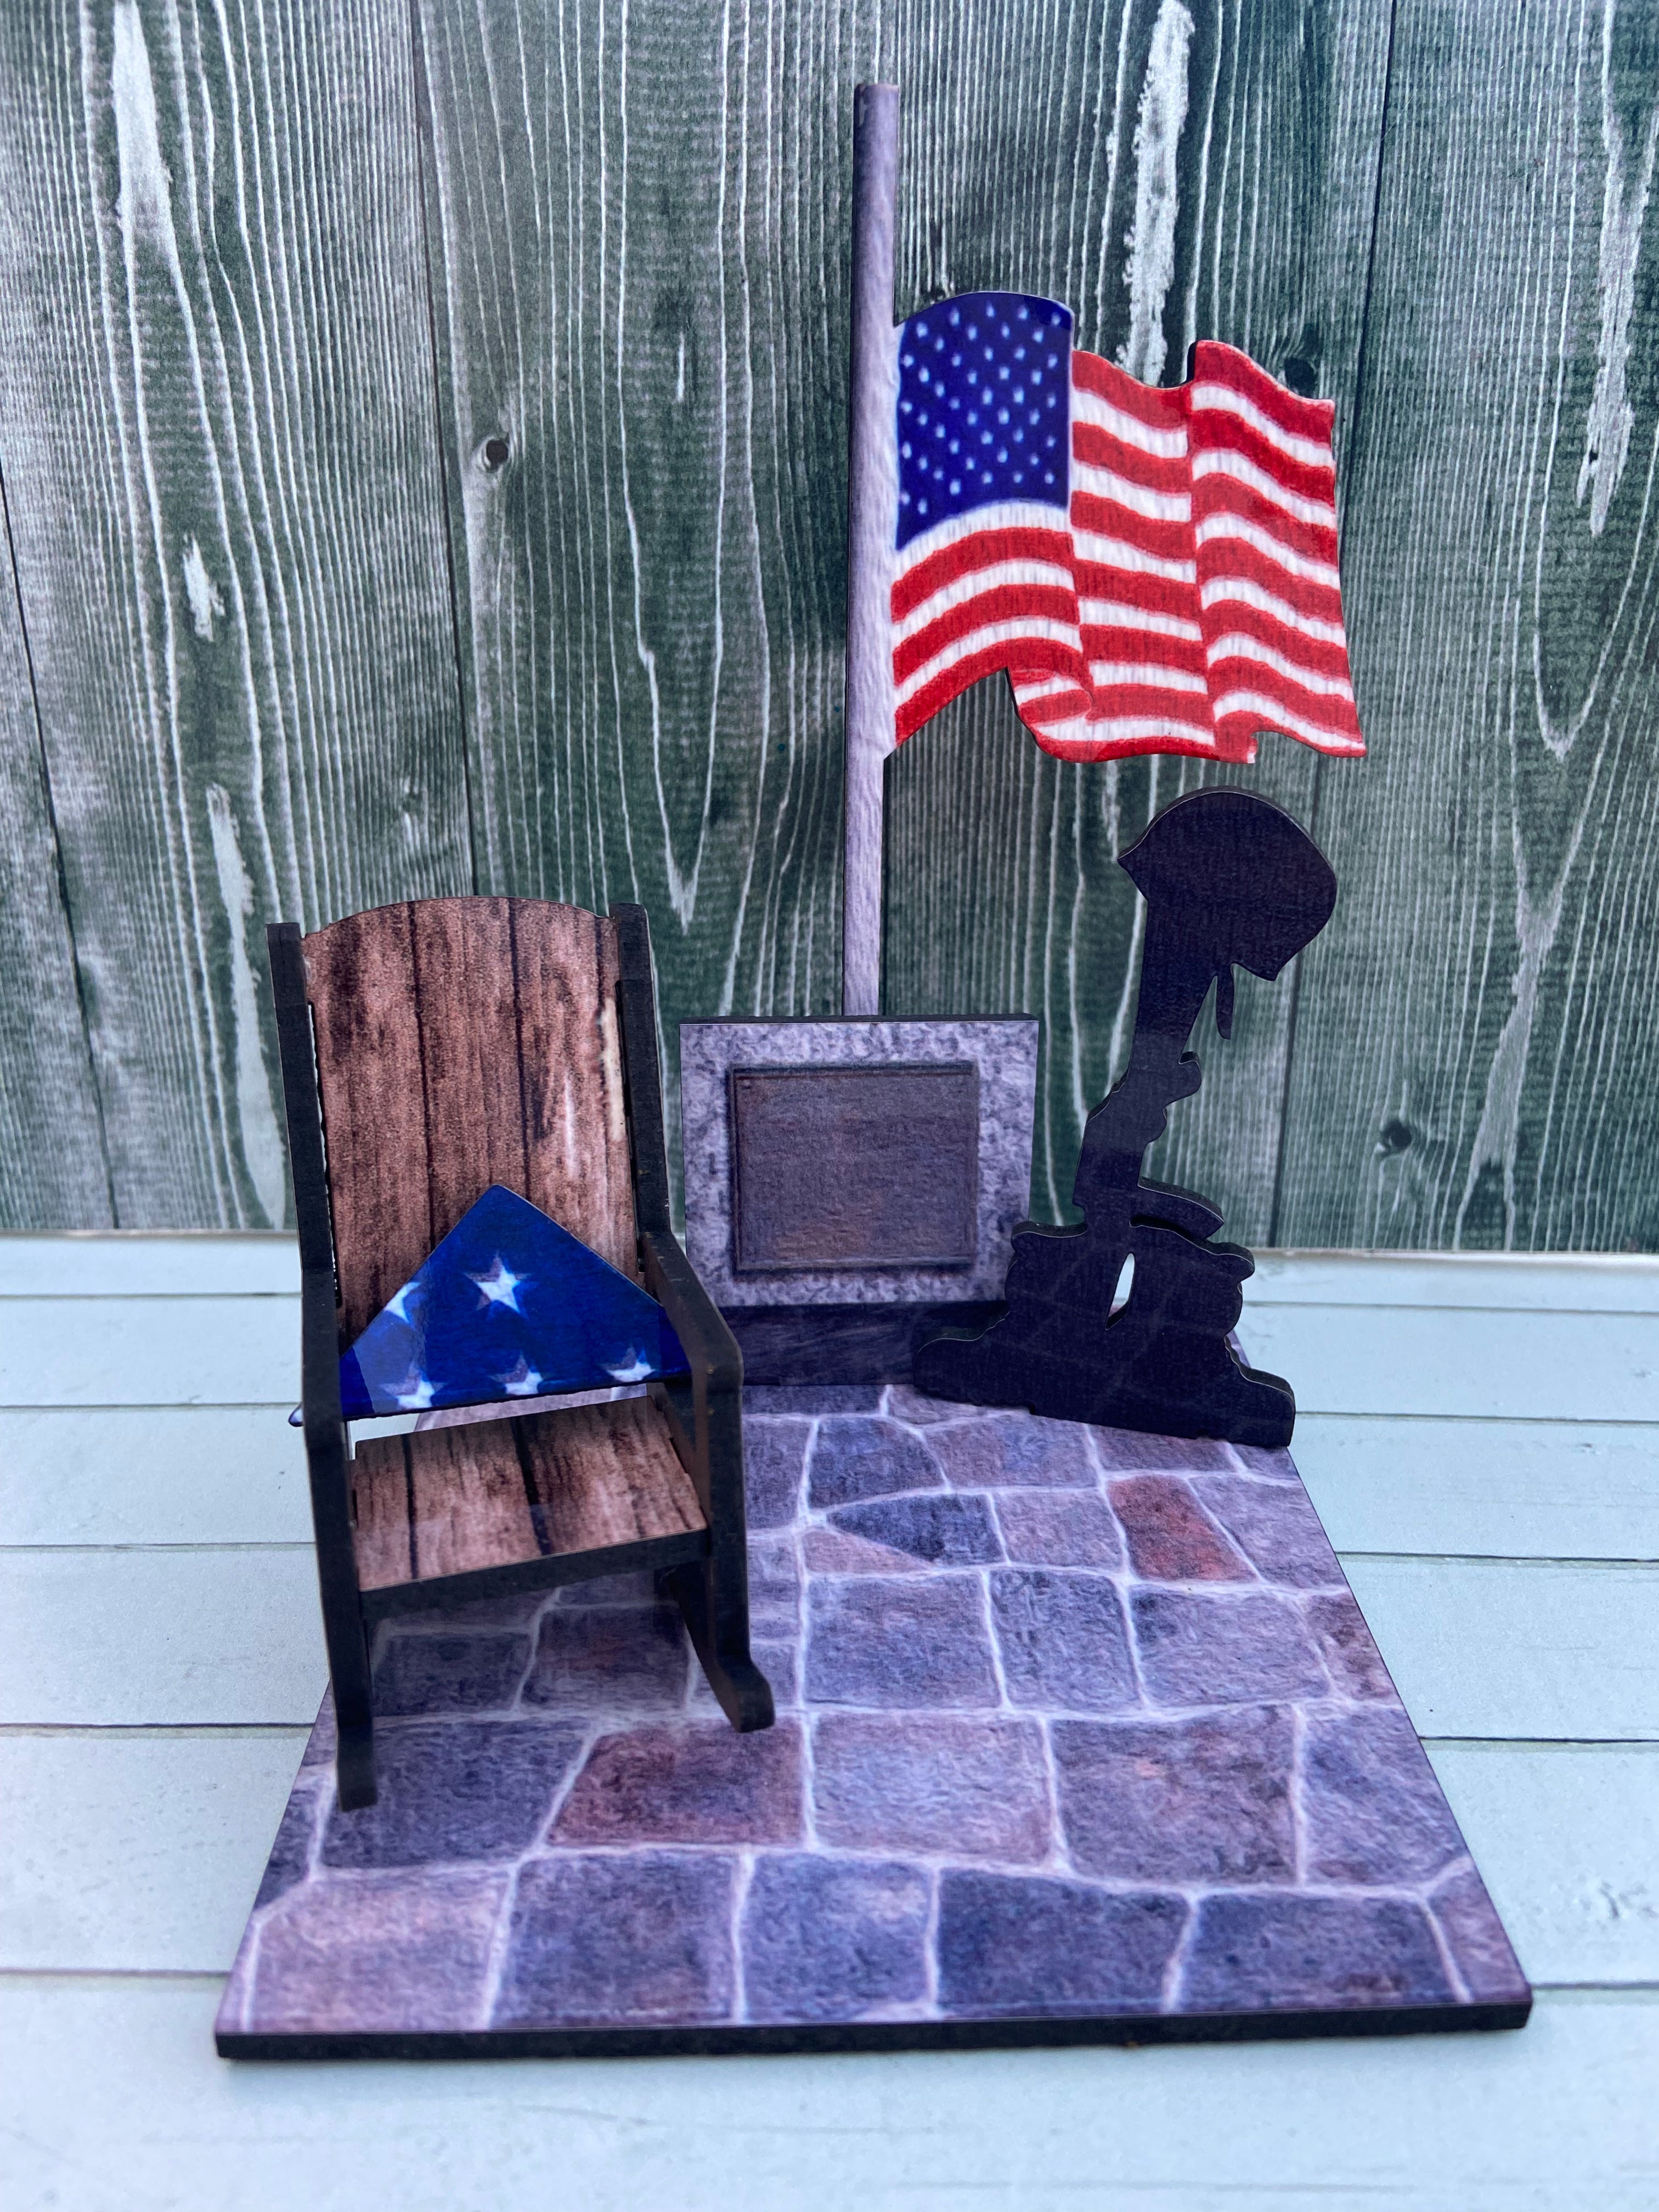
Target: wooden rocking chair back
{"x": 429, "y": 1050}
{"x": 461, "y": 1043}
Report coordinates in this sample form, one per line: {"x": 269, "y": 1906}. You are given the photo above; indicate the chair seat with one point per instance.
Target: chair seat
{"x": 558, "y": 1497}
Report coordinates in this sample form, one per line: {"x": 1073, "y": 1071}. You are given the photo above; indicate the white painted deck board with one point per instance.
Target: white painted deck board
{"x": 124, "y": 2111}
{"x": 101, "y": 1263}
{"x": 160, "y": 1638}
{"x": 195, "y": 1811}
{"x": 146, "y": 1474}
{"x": 1538, "y": 1282}
{"x": 1566, "y": 1837}
{"x": 1482, "y": 1437}
{"x": 1475, "y": 1362}
{"x": 1530, "y": 1489}
{"x": 1517, "y": 1648}
{"x": 238, "y": 1351}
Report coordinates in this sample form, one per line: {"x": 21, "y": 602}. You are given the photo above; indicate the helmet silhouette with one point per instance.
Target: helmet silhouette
{"x": 1237, "y": 877}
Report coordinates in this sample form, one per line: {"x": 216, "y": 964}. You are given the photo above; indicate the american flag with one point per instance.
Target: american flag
{"x": 1156, "y": 568}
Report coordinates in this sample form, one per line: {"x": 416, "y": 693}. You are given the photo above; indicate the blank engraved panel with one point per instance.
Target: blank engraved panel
{"x": 854, "y": 1167}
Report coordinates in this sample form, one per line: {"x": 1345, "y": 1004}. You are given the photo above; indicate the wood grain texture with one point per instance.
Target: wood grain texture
{"x": 217, "y": 418}
{"x": 462, "y": 1043}
{"x": 638, "y": 221}
{"x": 52, "y": 1170}
{"x": 303, "y": 316}
{"x": 1477, "y": 1056}
{"x": 1253, "y": 227}
{"x": 454, "y": 1501}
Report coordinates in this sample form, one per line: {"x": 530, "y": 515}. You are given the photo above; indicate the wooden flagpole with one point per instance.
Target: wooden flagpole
{"x": 871, "y": 527}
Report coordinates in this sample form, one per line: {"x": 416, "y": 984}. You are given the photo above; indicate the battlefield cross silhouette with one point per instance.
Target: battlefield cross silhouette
{"x": 1229, "y": 881}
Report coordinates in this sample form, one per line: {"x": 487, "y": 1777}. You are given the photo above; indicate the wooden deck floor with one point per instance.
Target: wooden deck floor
{"x": 1482, "y": 1438}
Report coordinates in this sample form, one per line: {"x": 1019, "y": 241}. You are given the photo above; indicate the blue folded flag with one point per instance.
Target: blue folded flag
{"x": 509, "y": 1305}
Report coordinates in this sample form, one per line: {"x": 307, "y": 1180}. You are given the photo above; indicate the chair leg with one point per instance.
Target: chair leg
{"x": 721, "y": 1644}
{"x": 354, "y": 1709}
{"x": 353, "y": 1766}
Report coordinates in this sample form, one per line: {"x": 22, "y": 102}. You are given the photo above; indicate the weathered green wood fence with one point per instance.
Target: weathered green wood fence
{"x": 422, "y": 435}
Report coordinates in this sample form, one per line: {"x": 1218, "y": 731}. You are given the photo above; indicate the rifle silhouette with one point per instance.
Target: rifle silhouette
{"x": 1228, "y": 881}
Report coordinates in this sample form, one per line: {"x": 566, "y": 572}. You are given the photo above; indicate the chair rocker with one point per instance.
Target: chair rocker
{"x": 429, "y": 1050}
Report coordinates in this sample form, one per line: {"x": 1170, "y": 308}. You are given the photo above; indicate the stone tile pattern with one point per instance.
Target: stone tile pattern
{"x": 1072, "y": 1723}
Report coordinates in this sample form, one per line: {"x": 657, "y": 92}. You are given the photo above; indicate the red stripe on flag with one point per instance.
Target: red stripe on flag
{"x": 1215, "y": 363}
{"x": 1008, "y": 603}
{"x": 965, "y": 556}
{"x": 1044, "y": 654}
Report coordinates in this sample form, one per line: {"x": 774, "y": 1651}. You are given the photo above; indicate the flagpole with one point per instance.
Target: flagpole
{"x": 871, "y": 529}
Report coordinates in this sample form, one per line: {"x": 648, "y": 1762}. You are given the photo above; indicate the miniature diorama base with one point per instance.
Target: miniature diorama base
{"x": 1081, "y": 1737}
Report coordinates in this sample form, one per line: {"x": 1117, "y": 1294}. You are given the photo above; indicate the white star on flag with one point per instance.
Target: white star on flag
{"x": 637, "y": 1369}
{"x": 499, "y": 1286}
{"x": 415, "y": 1396}
{"x": 523, "y": 1382}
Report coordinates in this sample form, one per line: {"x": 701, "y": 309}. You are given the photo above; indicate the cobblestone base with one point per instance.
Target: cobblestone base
{"x": 1074, "y": 1726}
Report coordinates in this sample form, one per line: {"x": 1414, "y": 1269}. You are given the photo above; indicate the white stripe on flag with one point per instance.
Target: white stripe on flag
{"x": 1112, "y": 614}
{"x": 1312, "y": 451}
{"x": 1295, "y": 564}
{"x": 1240, "y": 648}
{"x": 1129, "y": 729}
{"x": 1251, "y": 594}
{"x": 1090, "y": 407}
{"x": 1150, "y": 672}
{"x": 1224, "y": 462}
{"x": 997, "y": 574}
{"x": 981, "y": 640}
{"x": 1275, "y": 716}
{"x": 1106, "y": 484}
{"x": 1113, "y": 553}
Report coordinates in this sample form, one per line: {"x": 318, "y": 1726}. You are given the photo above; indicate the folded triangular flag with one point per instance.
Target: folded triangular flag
{"x": 509, "y": 1305}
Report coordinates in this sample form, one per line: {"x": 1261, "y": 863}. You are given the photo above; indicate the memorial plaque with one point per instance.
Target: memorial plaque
{"x": 842, "y": 1163}
{"x": 854, "y": 1167}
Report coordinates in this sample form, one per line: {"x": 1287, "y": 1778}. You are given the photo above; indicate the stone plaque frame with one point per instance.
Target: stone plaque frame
{"x": 1001, "y": 1052}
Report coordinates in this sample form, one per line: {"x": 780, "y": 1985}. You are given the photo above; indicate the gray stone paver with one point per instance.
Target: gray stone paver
{"x": 1070, "y": 1722}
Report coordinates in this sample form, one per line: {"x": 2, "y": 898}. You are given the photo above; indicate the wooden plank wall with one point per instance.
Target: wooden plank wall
{"x": 423, "y": 430}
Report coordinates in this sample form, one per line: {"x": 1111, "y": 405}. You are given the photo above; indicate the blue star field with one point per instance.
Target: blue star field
{"x": 984, "y": 407}
{"x": 509, "y": 1305}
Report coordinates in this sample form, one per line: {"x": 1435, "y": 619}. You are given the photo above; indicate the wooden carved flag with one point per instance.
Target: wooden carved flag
{"x": 1156, "y": 568}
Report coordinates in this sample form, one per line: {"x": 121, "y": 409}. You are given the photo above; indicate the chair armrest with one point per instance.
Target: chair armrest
{"x": 716, "y": 1361}
{"x": 712, "y": 1448}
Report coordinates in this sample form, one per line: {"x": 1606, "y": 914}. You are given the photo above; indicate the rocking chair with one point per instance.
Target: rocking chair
{"x": 428, "y": 1050}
